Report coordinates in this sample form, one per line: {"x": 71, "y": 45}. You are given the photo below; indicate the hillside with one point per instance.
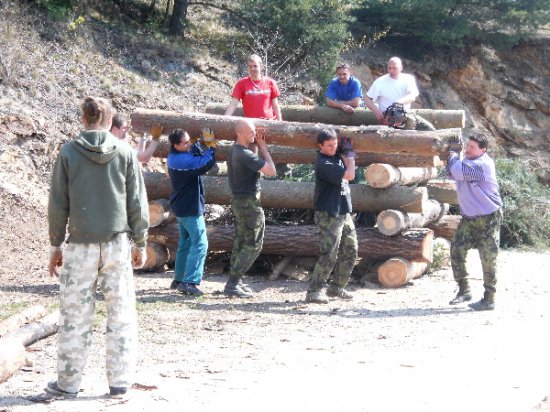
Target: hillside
{"x": 47, "y": 68}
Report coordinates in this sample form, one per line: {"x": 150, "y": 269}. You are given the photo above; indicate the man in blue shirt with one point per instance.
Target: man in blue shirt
{"x": 344, "y": 92}
{"x": 186, "y": 165}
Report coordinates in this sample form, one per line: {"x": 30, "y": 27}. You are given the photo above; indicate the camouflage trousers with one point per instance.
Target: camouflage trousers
{"x": 338, "y": 241}
{"x": 249, "y": 233}
{"x": 482, "y": 233}
{"x": 85, "y": 267}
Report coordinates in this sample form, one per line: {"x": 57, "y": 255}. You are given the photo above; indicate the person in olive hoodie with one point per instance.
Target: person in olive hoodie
{"x": 187, "y": 163}
{"x": 97, "y": 194}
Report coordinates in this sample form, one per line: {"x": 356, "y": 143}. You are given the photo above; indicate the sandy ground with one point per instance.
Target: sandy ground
{"x": 402, "y": 349}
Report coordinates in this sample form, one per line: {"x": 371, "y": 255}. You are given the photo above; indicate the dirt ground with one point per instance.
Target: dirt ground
{"x": 387, "y": 350}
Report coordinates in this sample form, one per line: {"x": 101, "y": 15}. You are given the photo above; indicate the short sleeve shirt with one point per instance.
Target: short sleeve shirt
{"x": 332, "y": 192}
{"x": 243, "y": 169}
{"x": 343, "y": 92}
{"x": 386, "y": 90}
{"x": 257, "y": 96}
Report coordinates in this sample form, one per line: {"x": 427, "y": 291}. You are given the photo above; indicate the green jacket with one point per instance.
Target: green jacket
{"x": 97, "y": 187}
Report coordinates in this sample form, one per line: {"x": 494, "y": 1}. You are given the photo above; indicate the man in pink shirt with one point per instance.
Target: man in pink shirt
{"x": 258, "y": 93}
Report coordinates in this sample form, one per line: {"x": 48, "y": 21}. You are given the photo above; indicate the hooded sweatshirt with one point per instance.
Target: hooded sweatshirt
{"x": 98, "y": 189}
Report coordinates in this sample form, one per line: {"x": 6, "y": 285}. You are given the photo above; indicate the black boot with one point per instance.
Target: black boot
{"x": 233, "y": 288}
{"x": 487, "y": 303}
{"x": 463, "y": 294}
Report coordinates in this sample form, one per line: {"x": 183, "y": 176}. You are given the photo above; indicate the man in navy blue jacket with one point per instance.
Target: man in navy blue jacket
{"x": 187, "y": 163}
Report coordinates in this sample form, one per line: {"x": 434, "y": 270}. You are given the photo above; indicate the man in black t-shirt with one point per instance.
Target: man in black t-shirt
{"x": 244, "y": 168}
{"x": 332, "y": 203}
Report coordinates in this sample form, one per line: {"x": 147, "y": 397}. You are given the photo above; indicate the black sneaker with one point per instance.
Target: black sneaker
{"x": 190, "y": 289}
{"x": 53, "y": 389}
{"x": 482, "y": 305}
{"x": 174, "y": 284}
{"x": 117, "y": 390}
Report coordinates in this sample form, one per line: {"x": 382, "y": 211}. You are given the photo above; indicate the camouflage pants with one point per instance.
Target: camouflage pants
{"x": 338, "y": 241}
{"x": 482, "y": 233}
{"x": 85, "y": 266}
{"x": 249, "y": 233}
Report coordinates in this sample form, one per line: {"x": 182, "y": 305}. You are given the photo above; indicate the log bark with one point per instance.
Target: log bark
{"x": 159, "y": 212}
{"x": 370, "y": 139}
{"x": 443, "y": 191}
{"x": 157, "y": 256}
{"x": 12, "y": 346}
{"x": 303, "y": 240}
{"x": 296, "y": 155}
{"x": 16, "y": 321}
{"x": 441, "y": 119}
{"x": 299, "y": 195}
{"x": 397, "y": 271}
{"x": 392, "y": 222}
{"x": 382, "y": 176}
{"x": 446, "y": 226}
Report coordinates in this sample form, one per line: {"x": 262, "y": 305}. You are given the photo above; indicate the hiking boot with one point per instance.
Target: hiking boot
{"x": 461, "y": 298}
{"x": 234, "y": 288}
{"x": 189, "y": 289}
{"x": 53, "y": 389}
{"x": 463, "y": 294}
{"x": 335, "y": 291}
{"x": 174, "y": 284}
{"x": 117, "y": 390}
{"x": 316, "y": 297}
{"x": 483, "y": 304}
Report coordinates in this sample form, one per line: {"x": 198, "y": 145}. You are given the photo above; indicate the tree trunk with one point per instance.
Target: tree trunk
{"x": 369, "y": 139}
{"x": 299, "y": 195}
{"x": 176, "y": 26}
{"x": 382, "y": 176}
{"x": 12, "y": 346}
{"x": 392, "y": 222}
{"x": 441, "y": 119}
{"x": 303, "y": 240}
{"x": 397, "y": 271}
{"x": 295, "y": 155}
{"x": 446, "y": 226}
{"x": 442, "y": 190}
{"x": 19, "y": 319}
{"x": 159, "y": 212}
{"x": 157, "y": 256}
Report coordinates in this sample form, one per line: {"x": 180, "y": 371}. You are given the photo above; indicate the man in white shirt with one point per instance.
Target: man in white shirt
{"x": 394, "y": 87}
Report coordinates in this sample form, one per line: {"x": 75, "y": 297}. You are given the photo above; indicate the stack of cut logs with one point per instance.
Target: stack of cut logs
{"x": 399, "y": 162}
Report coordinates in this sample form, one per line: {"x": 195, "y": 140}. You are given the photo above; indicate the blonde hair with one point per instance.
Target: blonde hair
{"x": 97, "y": 111}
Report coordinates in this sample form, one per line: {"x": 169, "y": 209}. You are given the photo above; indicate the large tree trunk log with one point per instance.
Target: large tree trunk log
{"x": 443, "y": 191}
{"x": 441, "y": 119}
{"x": 296, "y": 155}
{"x": 446, "y": 226}
{"x": 397, "y": 271}
{"x": 299, "y": 195}
{"x": 303, "y": 240}
{"x": 159, "y": 212}
{"x": 12, "y": 346}
{"x": 392, "y": 222}
{"x": 157, "y": 256}
{"x": 370, "y": 139}
{"x": 382, "y": 176}
{"x": 16, "y": 321}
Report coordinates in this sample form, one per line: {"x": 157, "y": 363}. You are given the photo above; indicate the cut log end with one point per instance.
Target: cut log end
{"x": 397, "y": 271}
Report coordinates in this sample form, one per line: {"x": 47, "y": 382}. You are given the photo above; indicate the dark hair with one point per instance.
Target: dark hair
{"x": 175, "y": 136}
{"x": 343, "y": 66}
{"x": 118, "y": 121}
{"x": 97, "y": 111}
{"x": 326, "y": 134}
{"x": 480, "y": 139}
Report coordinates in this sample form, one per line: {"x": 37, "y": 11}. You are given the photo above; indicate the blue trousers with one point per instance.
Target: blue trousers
{"x": 192, "y": 247}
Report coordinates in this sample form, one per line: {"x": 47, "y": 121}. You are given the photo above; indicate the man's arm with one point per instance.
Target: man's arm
{"x": 145, "y": 152}
{"x": 373, "y": 108}
{"x": 232, "y": 106}
{"x": 276, "y": 109}
{"x": 269, "y": 168}
{"x": 347, "y": 105}
{"x": 408, "y": 98}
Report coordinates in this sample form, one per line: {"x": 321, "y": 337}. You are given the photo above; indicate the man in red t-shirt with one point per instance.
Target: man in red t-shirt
{"x": 259, "y": 94}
